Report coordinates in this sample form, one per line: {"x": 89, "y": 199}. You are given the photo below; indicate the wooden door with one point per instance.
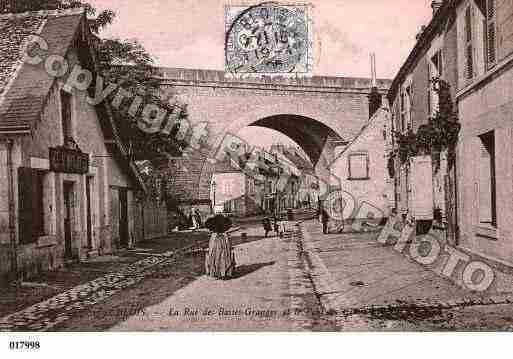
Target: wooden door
{"x": 123, "y": 218}
{"x": 89, "y": 187}
{"x": 68, "y": 219}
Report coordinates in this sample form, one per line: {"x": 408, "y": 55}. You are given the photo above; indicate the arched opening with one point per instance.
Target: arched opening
{"x": 315, "y": 138}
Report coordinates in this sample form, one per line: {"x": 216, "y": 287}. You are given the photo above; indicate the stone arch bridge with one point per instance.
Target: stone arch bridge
{"x": 318, "y": 113}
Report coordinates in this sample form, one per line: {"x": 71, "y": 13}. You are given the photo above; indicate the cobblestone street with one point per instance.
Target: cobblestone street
{"x": 305, "y": 281}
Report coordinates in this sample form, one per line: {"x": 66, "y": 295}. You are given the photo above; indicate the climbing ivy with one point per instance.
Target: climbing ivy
{"x": 438, "y": 134}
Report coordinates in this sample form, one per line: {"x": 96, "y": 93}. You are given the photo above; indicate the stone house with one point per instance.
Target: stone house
{"x": 300, "y": 176}
{"x": 235, "y": 192}
{"x": 485, "y": 148}
{"x": 68, "y": 191}
{"x": 360, "y": 170}
{"x": 421, "y": 188}
{"x": 358, "y": 173}
{"x": 468, "y": 45}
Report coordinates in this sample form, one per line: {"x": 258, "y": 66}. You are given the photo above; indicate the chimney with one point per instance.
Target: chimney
{"x": 375, "y": 98}
{"x": 436, "y": 5}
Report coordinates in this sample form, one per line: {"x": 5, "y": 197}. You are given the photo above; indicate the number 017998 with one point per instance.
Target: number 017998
{"x": 24, "y": 345}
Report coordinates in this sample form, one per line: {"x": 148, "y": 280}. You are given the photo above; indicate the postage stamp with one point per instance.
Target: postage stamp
{"x": 268, "y": 38}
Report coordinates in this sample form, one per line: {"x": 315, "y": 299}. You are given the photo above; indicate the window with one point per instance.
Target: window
{"x": 435, "y": 71}
{"x": 358, "y": 166}
{"x": 31, "y": 204}
{"x": 409, "y": 103}
{"x": 406, "y": 105}
{"x": 66, "y": 116}
{"x": 487, "y": 186}
{"x": 227, "y": 188}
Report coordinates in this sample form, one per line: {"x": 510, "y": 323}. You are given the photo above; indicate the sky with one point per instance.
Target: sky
{"x": 190, "y": 33}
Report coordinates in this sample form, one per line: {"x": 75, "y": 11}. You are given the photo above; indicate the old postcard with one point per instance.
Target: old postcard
{"x": 227, "y": 166}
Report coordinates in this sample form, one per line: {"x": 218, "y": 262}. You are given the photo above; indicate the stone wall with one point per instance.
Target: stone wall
{"x": 488, "y": 108}
{"x": 156, "y": 220}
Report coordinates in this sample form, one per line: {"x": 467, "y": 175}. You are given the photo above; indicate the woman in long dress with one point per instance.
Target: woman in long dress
{"x": 193, "y": 219}
{"x": 220, "y": 261}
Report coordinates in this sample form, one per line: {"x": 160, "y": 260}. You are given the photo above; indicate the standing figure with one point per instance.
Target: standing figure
{"x": 193, "y": 219}
{"x": 277, "y": 226}
{"x": 266, "y": 222}
{"x": 325, "y": 218}
{"x": 220, "y": 261}
{"x": 197, "y": 216}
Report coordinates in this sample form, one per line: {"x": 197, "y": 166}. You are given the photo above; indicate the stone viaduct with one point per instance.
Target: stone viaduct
{"x": 318, "y": 113}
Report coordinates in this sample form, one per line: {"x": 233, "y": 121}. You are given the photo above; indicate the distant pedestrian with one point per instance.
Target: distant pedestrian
{"x": 197, "y": 215}
{"x": 277, "y": 226}
{"x": 325, "y": 218}
{"x": 266, "y": 222}
{"x": 192, "y": 219}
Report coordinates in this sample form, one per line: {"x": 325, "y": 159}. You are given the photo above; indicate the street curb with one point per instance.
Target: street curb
{"x": 423, "y": 304}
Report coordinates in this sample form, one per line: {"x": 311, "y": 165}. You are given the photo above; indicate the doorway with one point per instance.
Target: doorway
{"x": 89, "y": 186}
{"x": 68, "y": 219}
{"x": 123, "y": 217}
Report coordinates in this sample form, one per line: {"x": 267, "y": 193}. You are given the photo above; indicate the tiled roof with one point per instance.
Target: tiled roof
{"x": 14, "y": 31}
{"x": 189, "y": 177}
{"x": 24, "y": 87}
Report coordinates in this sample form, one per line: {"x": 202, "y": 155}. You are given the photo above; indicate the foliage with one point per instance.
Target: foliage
{"x": 438, "y": 134}
{"x": 128, "y": 64}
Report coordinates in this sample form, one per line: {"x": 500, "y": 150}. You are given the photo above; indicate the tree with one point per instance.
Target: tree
{"x": 129, "y": 65}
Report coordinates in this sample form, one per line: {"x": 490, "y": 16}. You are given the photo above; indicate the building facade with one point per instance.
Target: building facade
{"x": 68, "y": 192}
{"x": 485, "y": 162}
{"x": 468, "y": 45}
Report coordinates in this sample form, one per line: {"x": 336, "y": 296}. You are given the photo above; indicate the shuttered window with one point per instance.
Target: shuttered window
{"x": 435, "y": 70}
{"x": 409, "y": 94}
{"x": 469, "y": 51}
{"x": 358, "y": 166}
{"x": 491, "y": 45}
{"x": 30, "y": 203}
{"x": 487, "y": 183}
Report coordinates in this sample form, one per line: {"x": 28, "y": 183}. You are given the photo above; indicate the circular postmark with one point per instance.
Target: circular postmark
{"x": 268, "y": 38}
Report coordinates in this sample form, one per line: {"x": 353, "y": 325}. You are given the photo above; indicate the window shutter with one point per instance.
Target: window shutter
{"x": 468, "y": 24}
{"x": 440, "y": 63}
{"x": 25, "y": 221}
{"x": 490, "y": 33}
{"x": 469, "y": 65}
{"x": 38, "y": 224}
{"x": 430, "y": 89}
{"x": 503, "y": 28}
{"x": 66, "y": 115}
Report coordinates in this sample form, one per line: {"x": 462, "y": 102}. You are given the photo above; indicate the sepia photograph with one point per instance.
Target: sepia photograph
{"x": 223, "y": 166}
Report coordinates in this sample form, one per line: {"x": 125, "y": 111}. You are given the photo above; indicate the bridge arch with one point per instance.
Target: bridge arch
{"x": 311, "y": 135}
